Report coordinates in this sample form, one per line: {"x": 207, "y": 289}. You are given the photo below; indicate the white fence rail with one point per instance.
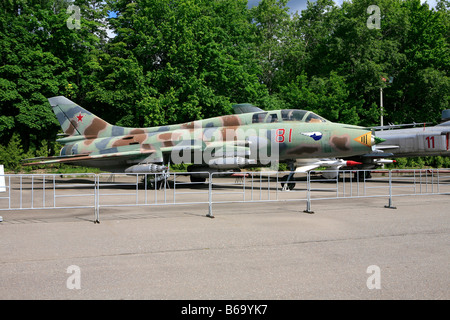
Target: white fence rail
{"x": 56, "y": 191}
{"x": 48, "y": 191}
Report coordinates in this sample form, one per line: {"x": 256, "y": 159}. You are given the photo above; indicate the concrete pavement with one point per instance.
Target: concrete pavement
{"x": 249, "y": 251}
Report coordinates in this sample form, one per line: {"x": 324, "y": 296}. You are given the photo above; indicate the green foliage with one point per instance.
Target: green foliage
{"x": 67, "y": 169}
{"x": 179, "y": 61}
{"x": 176, "y": 61}
{"x": 420, "y": 163}
{"x": 327, "y": 96}
{"x": 12, "y": 154}
{"x": 40, "y": 57}
{"x": 182, "y": 167}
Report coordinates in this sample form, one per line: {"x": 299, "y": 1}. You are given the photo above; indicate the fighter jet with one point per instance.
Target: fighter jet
{"x": 249, "y": 138}
{"x": 419, "y": 141}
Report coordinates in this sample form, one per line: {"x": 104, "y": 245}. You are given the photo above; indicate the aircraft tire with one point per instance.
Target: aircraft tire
{"x": 197, "y": 179}
{"x": 289, "y": 185}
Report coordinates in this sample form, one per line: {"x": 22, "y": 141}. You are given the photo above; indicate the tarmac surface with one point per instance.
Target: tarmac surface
{"x": 347, "y": 249}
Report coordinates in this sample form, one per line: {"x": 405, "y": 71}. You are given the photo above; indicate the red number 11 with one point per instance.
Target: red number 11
{"x": 430, "y": 141}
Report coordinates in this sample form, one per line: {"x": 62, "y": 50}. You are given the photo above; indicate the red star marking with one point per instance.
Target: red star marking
{"x": 80, "y": 117}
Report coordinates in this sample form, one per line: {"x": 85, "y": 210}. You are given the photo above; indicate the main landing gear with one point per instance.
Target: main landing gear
{"x": 288, "y": 181}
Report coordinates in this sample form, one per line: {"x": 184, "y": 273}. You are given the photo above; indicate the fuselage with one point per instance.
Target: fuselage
{"x": 281, "y": 135}
{"x": 415, "y": 142}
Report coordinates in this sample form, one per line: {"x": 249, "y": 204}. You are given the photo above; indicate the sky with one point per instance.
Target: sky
{"x": 293, "y": 4}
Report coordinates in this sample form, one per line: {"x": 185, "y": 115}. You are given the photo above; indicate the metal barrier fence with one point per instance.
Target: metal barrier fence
{"x": 380, "y": 183}
{"x": 56, "y": 191}
{"x": 48, "y": 191}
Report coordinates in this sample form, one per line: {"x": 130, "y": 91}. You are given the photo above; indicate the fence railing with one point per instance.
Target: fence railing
{"x": 47, "y": 191}
{"x": 72, "y": 191}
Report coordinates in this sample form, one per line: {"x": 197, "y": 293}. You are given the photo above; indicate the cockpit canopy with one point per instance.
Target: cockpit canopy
{"x": 287, "y": 115}
{"x": 301, "y": 115}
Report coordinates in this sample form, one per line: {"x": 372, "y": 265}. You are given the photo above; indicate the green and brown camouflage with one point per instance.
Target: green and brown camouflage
{"x": 252, "y": 138}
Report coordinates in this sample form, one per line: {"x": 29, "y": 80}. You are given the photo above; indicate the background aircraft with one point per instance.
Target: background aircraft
{"x": 251, "y": 138}
{"x": 412, "y": 142}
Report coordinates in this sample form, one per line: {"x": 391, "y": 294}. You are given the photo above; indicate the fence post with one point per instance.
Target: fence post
{"x": 437, "y": 171}
{"x": 390, "y": 206}
{"x": 210, "y": 213}
{"x": 96, "y": 198}
{"x": 308, "y": 194}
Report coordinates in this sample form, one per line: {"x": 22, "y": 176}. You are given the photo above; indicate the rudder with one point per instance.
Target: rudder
{"x": 76, "y": 120}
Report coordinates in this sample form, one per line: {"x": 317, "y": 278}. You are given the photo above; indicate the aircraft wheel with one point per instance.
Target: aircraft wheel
{"x": 153, "y": 184}
{"x": 156, "y": 181}
{"x": 197, "y": 179}
{"x": 156, "y": 184}
{"x": 287, "y": 185}
{"x": 361, "y": 176}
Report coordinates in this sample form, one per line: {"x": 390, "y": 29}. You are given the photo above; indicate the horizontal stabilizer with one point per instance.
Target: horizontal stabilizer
{"x": 82, "y": 157}
{"x": 56, "y": 157}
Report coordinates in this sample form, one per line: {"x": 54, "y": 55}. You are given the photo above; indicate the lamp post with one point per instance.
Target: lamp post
{"x": 391, "y": 79}
{"x": 381, "y": 107}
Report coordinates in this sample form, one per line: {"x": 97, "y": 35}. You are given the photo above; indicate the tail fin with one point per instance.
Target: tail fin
{"x": 77, "y": 121}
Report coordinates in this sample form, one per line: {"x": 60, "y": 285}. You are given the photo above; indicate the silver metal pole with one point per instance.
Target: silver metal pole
{"x": 390, "y": 206}
{"x": 97, "y": 198}
{"x": 210, "y": 213}
{"x": 308, "y": 195}
{"x": 381, "y": 106}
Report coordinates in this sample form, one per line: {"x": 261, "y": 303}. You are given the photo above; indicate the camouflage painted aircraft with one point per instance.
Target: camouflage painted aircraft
{"x": 249, "y": 138}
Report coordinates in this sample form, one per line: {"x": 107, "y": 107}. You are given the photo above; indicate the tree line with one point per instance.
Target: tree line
{"x": 145, "y": 63}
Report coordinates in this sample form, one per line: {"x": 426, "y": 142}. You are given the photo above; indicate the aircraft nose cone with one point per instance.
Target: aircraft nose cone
{"x": 368, "y": 139}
